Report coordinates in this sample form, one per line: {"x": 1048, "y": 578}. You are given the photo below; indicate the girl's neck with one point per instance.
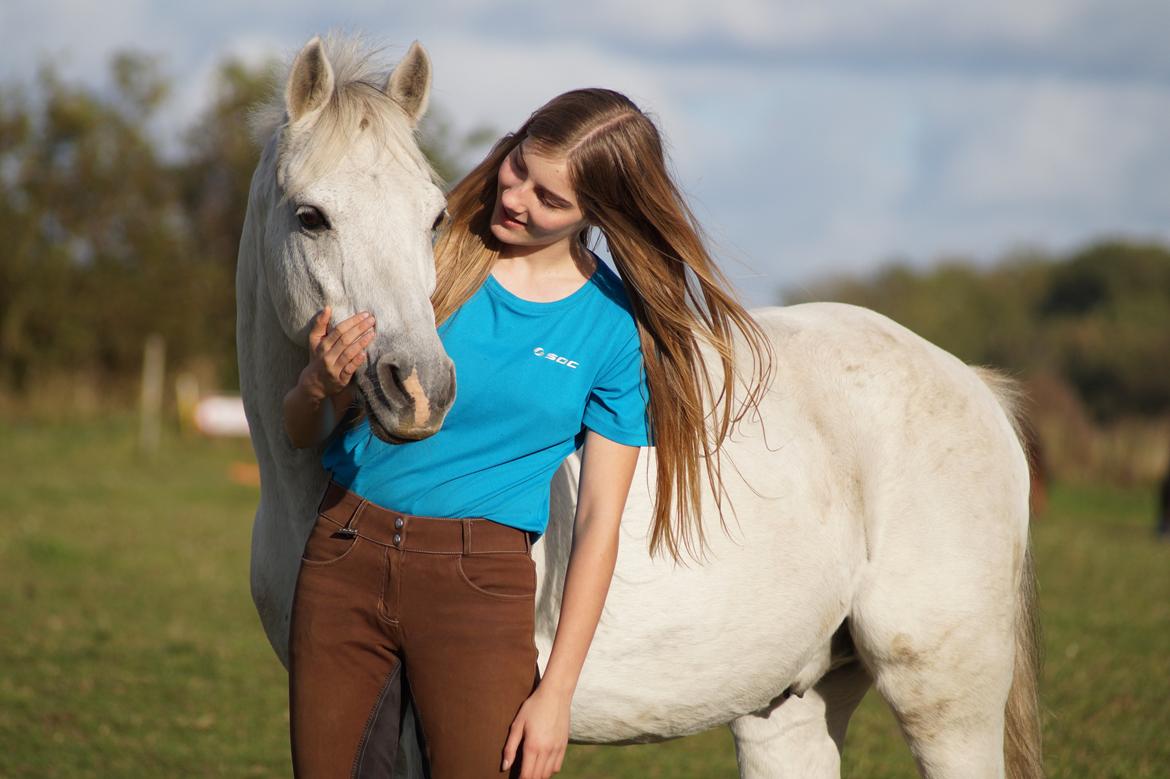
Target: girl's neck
{"x": 563, "y": 258}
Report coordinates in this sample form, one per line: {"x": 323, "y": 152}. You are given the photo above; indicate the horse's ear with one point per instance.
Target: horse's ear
{"x": 310, "y": 81}
{"x": 409, "y": 84}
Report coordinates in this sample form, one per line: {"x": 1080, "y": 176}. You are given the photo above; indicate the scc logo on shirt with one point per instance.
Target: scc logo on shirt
{"x": 558, "y": 359}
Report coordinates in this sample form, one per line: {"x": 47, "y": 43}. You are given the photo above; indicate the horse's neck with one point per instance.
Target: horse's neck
{"x": 291, "y": 479}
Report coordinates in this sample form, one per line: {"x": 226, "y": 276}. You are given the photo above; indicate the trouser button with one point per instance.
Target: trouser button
{"x": 397, "y": 538}
{"x": 398, "y": 522}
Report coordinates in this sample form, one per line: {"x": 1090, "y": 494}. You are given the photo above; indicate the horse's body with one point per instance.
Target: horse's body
{"x": 876, "y": 521}
{"x": 879, "y": 534}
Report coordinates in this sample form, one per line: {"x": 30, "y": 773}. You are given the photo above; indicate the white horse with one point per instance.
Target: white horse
{"x": 880, "y": 525}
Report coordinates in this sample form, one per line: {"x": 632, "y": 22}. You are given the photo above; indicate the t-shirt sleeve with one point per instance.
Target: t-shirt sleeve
{"x": 616, "y": 405}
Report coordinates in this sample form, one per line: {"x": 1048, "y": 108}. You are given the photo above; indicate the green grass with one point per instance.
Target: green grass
{"x": 130, "y": 646}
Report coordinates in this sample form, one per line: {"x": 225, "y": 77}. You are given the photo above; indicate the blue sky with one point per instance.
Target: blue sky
{"x": 811, "y": 137}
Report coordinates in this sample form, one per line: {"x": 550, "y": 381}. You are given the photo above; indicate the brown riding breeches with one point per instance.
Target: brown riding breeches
{"x": 393, "y": 609}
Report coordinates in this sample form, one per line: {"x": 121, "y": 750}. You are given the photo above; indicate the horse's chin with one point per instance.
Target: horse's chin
{"x": 379, "y": 430}
{"x": 398, "y": 435}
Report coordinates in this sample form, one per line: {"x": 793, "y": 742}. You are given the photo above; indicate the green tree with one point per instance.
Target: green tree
{"x": 1106, "y": 313}
{"x": 214, "y": 178}
{"x": 89, "y": 196}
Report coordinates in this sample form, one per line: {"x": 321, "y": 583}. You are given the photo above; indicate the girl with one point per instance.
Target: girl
{"x": 417, "y": 584}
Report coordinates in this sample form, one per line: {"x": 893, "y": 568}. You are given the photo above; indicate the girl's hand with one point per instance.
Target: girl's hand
{"x": 543, "y": 724}
{"x": 335, "y": 354}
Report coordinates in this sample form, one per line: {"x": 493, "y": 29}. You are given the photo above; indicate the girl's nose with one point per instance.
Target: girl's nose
{"x": 511, "y": 200}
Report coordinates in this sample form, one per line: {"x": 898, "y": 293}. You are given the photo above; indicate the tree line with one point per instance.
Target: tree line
{"x": 114, "y": 233}
{"x": 1097, "y": 317}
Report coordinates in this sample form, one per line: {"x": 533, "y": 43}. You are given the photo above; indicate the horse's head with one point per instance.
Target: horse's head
{"x": 351, "y": 203}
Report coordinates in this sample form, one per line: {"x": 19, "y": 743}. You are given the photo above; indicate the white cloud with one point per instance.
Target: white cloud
{"x": 838, "y": 172}
{"x": 480, "y": 79}
{"x": 76, "y": 36}
{"x": 1054, "y": 142}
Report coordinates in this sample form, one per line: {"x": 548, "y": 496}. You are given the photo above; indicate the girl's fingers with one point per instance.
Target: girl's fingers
{"x": 359, "y": 335}
{"x": 348, "y": 362}
{"x": 348, "y": 326}
{"x": 531, "y": 762}
{"x": 354, "y": 336}
{"x": 320, "y": 326}
{"x": 344, "y": 349}
{"x": 515, "y": 733}
{"x": 344, "y": 355}
{"x": 344, "y": 352}
{"x": 352, "y": 367}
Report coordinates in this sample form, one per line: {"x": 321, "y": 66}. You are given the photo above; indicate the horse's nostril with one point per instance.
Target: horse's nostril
{"x": 396, "y": 375}
{"x": 390, "y": 375}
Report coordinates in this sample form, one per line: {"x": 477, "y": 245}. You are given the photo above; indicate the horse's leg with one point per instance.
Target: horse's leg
{"x": 938, "y": 637}
{"x": 801, "y": 737}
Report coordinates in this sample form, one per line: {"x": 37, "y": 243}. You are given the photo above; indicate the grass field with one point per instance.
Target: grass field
{"x": 130, "y": 646}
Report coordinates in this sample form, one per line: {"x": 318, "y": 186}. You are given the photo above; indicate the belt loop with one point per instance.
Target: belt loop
{"x": 466, "y": 535}
{"x": 349, "y": 523}
{"x": 527, "y": 542}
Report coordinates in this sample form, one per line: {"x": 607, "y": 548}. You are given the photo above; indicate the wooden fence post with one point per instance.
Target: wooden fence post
{"x": 150, "y": 429}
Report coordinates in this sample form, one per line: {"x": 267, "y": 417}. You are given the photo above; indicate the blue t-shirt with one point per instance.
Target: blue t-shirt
{"x": 530, "y": 377}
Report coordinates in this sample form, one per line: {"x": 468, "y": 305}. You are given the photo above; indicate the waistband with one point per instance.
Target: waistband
{"x": 438, "y": 535}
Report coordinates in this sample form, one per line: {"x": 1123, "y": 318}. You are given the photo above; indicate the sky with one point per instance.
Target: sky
{"x": 810, "y": 138}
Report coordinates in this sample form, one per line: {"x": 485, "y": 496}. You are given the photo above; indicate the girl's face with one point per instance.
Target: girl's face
{"x": 535, "y": 204}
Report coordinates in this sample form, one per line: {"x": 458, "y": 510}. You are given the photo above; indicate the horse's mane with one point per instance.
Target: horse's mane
{"x": 358, "y": 104}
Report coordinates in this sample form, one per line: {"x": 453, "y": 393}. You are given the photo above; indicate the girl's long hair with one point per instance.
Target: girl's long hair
{"x": 679, "y": 297}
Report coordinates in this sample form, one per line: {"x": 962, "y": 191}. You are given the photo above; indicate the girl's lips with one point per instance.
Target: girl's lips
{"x": 506, "y": 220}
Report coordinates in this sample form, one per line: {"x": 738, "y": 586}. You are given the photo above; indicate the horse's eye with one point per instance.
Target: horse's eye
{"x": 439, "y": 219}
{"x": 312, "y": 219}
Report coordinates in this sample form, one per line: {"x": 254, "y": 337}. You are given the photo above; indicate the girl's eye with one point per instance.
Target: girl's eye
{"x": 312, "y": 219}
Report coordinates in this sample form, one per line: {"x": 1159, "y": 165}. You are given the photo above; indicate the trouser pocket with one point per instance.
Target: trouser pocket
{"x": 503, "y": 575}
{"x": 329, "y": 542}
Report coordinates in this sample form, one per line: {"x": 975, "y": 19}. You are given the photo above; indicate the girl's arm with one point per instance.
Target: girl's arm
{"x": 607, "y": 468}
{"x": 314, "y": 406}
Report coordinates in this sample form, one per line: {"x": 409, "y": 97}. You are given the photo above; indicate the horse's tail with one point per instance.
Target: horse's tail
{"x": 1021, "y": 737}
{"x": 1023, "y": 757}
